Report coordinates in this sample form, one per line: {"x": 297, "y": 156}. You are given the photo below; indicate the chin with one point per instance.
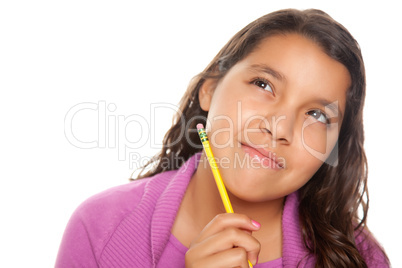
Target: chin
{"x": 252, "y": 196}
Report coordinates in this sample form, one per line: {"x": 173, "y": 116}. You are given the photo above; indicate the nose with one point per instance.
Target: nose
{"x": 280, "y": 126}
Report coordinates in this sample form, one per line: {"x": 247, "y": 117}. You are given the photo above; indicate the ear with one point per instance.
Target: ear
{"x": 205, "y": 94}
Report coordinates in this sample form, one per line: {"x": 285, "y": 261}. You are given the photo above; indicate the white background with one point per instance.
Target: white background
{"x": 57, "y": 54}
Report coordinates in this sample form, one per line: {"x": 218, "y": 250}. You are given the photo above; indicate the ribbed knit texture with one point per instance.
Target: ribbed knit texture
{"x": 293, "y": 249}
{"x": 129, "y": 225}
{"x": 141, "y": 237}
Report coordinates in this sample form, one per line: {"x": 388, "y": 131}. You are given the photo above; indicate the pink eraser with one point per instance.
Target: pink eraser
{"x": 199, "y": 126}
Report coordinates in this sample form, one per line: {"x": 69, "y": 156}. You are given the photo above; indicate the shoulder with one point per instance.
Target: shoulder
{"x": 107, "y": 226}
{"x": 106, "y": 209}
{"x": 94, "y": 222}
{"x": 116, "y": 201}
{"x": 370, "y": 249}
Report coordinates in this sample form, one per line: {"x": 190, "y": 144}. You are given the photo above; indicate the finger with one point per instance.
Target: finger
{"x": 223, "y": 221}
{"x": 227, "y": 239}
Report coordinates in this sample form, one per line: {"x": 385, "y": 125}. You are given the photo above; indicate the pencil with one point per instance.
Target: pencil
{"x": 215, "y": 171}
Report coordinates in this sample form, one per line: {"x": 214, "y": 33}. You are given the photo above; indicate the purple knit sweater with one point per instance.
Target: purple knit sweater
{"x": 129, "y": 226}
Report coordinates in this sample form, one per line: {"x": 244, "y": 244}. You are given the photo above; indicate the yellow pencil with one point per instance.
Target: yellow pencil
{"x": 215, "y": 171}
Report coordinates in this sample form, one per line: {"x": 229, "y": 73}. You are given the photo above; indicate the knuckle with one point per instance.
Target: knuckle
{"x": 244, "y": 217}
{"x": 258, "y": 245}
{"x": 220, "y": 218}
{"x": 232, "y": 232}
{"x": 240, "y": 254}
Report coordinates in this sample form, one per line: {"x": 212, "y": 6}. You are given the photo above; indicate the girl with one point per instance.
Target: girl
{"x": 282, "y": 103}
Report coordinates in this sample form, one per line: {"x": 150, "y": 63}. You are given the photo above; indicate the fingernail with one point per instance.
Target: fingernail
{"x": 256, "y": 224}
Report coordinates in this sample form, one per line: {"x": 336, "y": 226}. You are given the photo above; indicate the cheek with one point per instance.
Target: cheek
{"x": 309, "y": 155}
{"x": 304, "y": 167}
{"x": 221, "y": 123}
{"x": 222, "y": 133}
{"x": 228, "y": 110}
{"x": 313, "y": 139}
{"x": 319, "y": 140}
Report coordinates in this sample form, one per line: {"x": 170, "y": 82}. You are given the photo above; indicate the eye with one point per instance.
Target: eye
{"x": 262, "y": 83}
{"x": 319, "y": 116}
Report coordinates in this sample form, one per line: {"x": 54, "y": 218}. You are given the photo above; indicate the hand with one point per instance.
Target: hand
{"x": 226, "y": 241}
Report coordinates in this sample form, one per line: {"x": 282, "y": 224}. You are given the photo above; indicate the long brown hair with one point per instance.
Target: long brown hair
{"x": 329, "y": 202}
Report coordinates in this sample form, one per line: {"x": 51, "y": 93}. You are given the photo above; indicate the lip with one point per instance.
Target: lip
{"x": 266, "y": 158}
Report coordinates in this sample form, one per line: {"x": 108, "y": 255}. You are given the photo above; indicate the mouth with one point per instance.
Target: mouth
{"x": 262, "y": 156}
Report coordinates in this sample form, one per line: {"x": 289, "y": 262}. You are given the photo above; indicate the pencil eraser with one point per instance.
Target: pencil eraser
{"x": 199, "y": 126}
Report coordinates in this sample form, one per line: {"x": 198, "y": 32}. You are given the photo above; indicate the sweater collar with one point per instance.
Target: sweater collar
{"x": 293, "y": 249}
{"x": 168, "y": 205}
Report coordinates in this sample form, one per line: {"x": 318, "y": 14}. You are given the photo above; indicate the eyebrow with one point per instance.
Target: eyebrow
{"x": 266, "y": 69}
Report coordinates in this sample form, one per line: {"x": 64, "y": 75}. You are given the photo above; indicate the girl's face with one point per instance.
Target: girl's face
{"x": 275, "y": 116}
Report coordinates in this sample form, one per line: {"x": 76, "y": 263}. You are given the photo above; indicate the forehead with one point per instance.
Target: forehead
{"x": 301, "y": 64}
